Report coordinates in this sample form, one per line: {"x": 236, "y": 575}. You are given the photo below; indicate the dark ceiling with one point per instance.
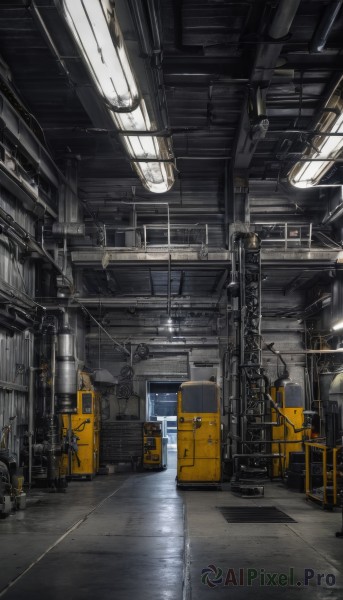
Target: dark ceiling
{"x": 239, "y": 87}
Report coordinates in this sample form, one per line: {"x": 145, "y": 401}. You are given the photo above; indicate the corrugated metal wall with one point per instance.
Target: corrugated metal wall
{"x": 15, "y": 350}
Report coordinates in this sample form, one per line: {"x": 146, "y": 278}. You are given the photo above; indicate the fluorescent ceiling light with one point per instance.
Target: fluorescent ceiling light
{"x": 338, "y": 325}
{"x": 157, "y": 177}
{"x": 98, "y": 36}
{"x": 306, "y": 174}
{"x": 96, "y": 31}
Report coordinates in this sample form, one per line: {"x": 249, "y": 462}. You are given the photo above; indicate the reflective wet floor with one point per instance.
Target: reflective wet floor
{"x": 134, "y": 535}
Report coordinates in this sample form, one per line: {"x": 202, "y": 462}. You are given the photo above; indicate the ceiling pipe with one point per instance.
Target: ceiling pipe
{"x": 324, "y": 28}
{"x": 334, "y": 215}
{"x": 154, "y": 27}
{"x": 283, "y": 18}
{"x": 137, "y": 10}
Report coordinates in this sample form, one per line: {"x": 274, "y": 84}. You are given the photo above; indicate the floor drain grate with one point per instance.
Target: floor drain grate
{"x": 254, "y": 514}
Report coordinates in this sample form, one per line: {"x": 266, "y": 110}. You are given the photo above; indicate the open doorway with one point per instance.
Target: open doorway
{"x": 162, "y": 402}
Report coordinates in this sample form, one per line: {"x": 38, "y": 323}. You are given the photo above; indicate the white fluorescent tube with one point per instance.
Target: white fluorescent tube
{"x": 157, "y": 177}
{"x": 306, "y": 174}
{"x": 97, "y": 33}
{"x": 338, "y": 325}
{"x": 98, "y": 36}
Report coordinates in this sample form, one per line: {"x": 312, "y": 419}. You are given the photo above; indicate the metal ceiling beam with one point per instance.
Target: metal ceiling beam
{"x": 148, "y": 302}
{"x": 178, "y": 257}
{"x": 188, "y": 258}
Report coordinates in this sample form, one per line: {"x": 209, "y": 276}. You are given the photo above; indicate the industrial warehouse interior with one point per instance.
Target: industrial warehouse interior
{"x": 171, "y": 299}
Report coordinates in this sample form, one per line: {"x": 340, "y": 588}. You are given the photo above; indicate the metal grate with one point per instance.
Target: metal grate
{"x": 121, "y": 441}
{"x": 254, "y": 514}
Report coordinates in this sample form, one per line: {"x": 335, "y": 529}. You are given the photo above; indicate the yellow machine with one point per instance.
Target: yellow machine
{"x": 324, "y": 476}
{"x": 81, "y": 434}
{"x": 288, "y": 413}
{"x": 155, "y": 445}
{"x": 199, "y": 434}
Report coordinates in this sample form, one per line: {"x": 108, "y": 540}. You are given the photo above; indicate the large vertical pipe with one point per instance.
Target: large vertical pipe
{"x": 53, "y": 372}
{"x": 32, "y": 371}
{"x": 66, "y": 377}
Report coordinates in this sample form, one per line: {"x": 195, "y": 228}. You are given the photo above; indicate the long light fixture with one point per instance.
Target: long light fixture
{"x": 337, "y": 326}
{"x": 324, "y": 148}
{"x": 96, "y": 31}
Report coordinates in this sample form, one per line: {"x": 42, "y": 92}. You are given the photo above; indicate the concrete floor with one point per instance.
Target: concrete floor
{"x": 136, "y": 536}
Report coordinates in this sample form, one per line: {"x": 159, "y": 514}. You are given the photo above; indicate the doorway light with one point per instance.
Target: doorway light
{"x": 324, "y": 148}
{"x": 96, "y": 31}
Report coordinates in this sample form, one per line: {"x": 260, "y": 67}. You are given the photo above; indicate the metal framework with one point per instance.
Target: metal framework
{"x": 248, "y": 423}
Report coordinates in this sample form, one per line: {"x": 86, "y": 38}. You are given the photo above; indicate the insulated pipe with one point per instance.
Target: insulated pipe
{"x": 322, "y": 33}
{"x": 137, "y": 10}
{"x": 32, "y": 371}
{"x": 226, "y": 203}
{"x": 154, "y": 26}
{"x": 53, "y": 372}
{"x": 169, "y": 287}
{"x": 31, "y": 6}
{"x": 334, "y": 215}
{"x": 283, "y": 18}
{"x": 280, "y": 413}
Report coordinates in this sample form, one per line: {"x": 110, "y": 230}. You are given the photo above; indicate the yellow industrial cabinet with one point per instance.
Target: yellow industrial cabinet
{"x": 81, "y": 433}
{"x": 323, "y": 477}
{"x": 199, "y": 446}
{"x": 288, "y": 433}
{"x": 154, "y": 445}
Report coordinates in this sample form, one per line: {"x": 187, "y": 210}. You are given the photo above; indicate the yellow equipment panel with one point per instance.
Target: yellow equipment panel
{"x": 199, "y": 434}
{"x": 155, "y": 445}
{"x": 288, "y": 435}
{"x": 81, "y": 432}
{"x": 325, "y": 460}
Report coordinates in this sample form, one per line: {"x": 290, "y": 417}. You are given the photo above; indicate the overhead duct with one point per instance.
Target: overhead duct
{"x": 321, "y": 35}
{"x": 283, "y": 18}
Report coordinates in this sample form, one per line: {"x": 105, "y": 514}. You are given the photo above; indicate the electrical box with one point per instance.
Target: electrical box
{"x": 80, "y": 432}
{"x": 155, "y": 445}
{"x": 199, "y": 445}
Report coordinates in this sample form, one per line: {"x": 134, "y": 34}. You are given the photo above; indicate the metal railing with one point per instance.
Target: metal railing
{"x": 156, "y": 235}
{"x": 287, "y": 235}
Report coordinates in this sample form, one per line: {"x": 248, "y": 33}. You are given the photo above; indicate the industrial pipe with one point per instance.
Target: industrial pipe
{"x": 283, "y": 18}
{"x": 53, "y": 372}
{"x": 154, "y": 26}
{"x": 280, "y": 413}
{"x": 321, "y": 35}
{"x": 334, "y": 215}
{"x": 137, "y": 10}
{"x": 32, "y": 371}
